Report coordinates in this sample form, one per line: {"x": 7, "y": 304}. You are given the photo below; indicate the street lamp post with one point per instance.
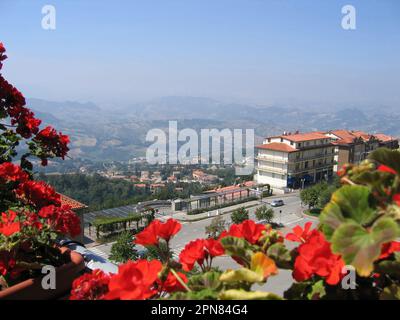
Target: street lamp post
{"x": 302, "y": 182}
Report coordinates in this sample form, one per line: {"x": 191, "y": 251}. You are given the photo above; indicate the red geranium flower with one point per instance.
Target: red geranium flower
{"x": 192, "y": 253}
{"x": 300, "y": 235}
{"x": 396, "y": 199}
{"x": 53, "y": 142}
{"x": 7, "y": 263}
{"x": 389, "y": 248}
{"x": 32, "y": 220}
{"x": 316, "y": 258}
{"x": 155, "y": 230}
{"x": 134, "y": 281}
{"x": 214, "y": 247}
{"x": 66, "y": 221}
{"x": 171, "y": 284}
{"x": 47, "y": 212}
{"x": 8, "y": 225}
{"x": 168, "y": 229}
{"x": 248, "y": 229}
{"x": 62, "y": 219}
{"x": 198, "y": 251}
{"x": 12, "y": 172}
{"x": 90, "y": 286}
{"x": 386, "y": 169}
{"x": 38, "y": 193}
{"x": 148, "y": 236}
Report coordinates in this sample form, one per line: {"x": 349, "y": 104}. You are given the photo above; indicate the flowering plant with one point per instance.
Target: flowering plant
{"x": 31, "y": 214}
{"x": 356, "y": 235}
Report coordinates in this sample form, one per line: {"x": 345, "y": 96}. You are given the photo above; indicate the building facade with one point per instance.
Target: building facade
{"x": 355, "y": 146}
{"x": 294, "y": 160}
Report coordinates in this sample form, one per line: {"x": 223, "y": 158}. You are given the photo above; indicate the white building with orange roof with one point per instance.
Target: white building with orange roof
{"x": 294, "y": 160}
{"x": 355, "y": 146}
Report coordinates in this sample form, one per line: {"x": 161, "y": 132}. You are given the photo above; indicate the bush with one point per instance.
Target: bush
{"x": 265, "y": 213}
{"x": 239, "y": 215}
{"x": 215, "y": 228}
{"x": 124, "y": 249}
{"x": 318, "y": 195}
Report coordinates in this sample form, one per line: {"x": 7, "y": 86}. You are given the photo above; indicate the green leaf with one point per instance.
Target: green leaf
{"x": 237, "y": 247}
{"x": 393, "y": 211}
{"x": 298, "y": 291}
{"x": 353, "y": 202}
{"x": 387, "y": 157}
{"x": 390, "y": 267}
{"x": 391, "y": 293}
{"x": 237, "y": 294}
{"x": 331, "y": 218}
{"x": 281, "y": 255}
{"x": 317, "y": 291}
{"x": 242, "y": 274}
{"x": 360, "y": 247}
{"x": 209, "y": 280}
{"x": 205, "y": 294}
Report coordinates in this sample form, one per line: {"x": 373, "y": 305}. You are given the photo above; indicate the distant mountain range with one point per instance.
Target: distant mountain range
{"x": 119, "y": 133}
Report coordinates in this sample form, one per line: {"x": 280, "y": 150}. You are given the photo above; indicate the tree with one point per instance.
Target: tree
{"x": 325, "y": 196}
{"x": 310, "y": 195}
{"x": 124, "y": 249}
{"x": 319, "y": 194}
{"x": 239, "y": 215}
{"x": 215, "y": 228}
{"x": 265, "y": 213}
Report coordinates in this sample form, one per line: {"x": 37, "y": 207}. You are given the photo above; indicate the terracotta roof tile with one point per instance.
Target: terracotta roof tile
{"x": 383, "y": 137}
{"x": 75, "y": 205}
{"x": 277, "y": 146}
{"x": 298, "y": 137}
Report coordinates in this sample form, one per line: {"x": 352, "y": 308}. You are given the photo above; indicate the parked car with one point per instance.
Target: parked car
{"x": 277, "y": 203}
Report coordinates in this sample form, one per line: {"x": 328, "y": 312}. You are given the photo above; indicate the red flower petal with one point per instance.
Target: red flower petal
{"x": 386, "y": 169}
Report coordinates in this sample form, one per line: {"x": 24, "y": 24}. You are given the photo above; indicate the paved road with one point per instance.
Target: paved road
{"x": 291, "y": 213}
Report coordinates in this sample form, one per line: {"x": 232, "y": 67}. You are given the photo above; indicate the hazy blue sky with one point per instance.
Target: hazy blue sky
{"x": 283, "y": 51}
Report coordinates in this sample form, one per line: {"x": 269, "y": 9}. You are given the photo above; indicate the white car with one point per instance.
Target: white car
{"x": 277, "y": 203}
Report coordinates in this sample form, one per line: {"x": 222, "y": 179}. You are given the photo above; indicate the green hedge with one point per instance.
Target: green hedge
{"x": 112, "y": 224}
{"x": 313, "y": 212}
{"x": 202, "y": 210}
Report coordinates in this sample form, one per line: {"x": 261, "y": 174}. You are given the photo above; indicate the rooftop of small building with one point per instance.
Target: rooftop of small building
{"x": 277, "y": 146}
{"x": 74, "y": 204}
